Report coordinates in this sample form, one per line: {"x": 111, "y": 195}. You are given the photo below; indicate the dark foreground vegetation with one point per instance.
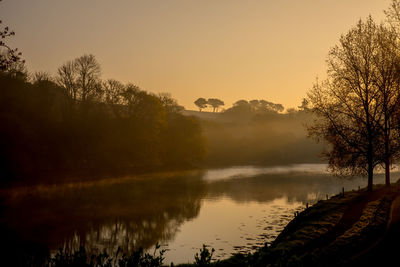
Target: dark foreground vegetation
{"x": 47, "y": 128}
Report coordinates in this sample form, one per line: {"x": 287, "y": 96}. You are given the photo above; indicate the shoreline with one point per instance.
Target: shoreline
{"x": 349, "y": 229}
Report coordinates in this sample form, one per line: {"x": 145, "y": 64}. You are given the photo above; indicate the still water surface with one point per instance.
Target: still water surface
{"x": 233, "y": 210}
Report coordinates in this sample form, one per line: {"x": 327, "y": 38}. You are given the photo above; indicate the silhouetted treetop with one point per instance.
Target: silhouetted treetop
{"x": 304, "y": 105}
{"x": 10, "y": 58}
{"x": 81, "y": 78}
{"x": 253, "y": 107}
{"x": 215, "y": 103}
{"x": 77, "y": 122}
{"x": 201, "y": 103}
{"x": 170, "y": 104}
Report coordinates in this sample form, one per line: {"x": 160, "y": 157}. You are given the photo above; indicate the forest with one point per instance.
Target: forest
{"x": 75, "y": 123}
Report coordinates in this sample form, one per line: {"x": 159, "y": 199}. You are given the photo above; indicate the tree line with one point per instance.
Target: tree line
{"x": 240, "y": 106}
{"x": 358, "y": 104}
{"x": 254, "y": 106}
{"x": 76, "y": 122}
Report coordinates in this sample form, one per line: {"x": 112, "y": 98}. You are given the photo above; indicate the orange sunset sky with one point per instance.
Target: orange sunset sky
{"x": 227, "y": 49}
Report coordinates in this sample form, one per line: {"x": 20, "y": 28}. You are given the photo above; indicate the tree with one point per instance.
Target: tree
{"x": 304, "y": 105}
{"x": 88, "y": 76}
{"x": 10, "y": 58}
{"x": 255, "y": 105}
{"x": 201, "y": 103}
{"x": 346, "y": 106}
{"x": 215, "y": 103}
{"x": 112, "y": 92}
{"x": 41, "y": 76}
{"x": 393, "y": 15}
{"x": 80, "y": 78}
{"x": 386, "y": 78}
{"x": 170, "y": 104}
{"x": 267, "y": 106}
{"x": 241, "y": 102}
{"x": 67, "y": 78}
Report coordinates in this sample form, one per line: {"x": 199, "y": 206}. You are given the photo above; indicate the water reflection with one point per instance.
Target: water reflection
{"x": 250, "y": 171}
{"x": 233, "y": 209}
{"x": 129, "y": 214}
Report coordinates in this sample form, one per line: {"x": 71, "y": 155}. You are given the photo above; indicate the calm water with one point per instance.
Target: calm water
{"x": 233, "y": 210}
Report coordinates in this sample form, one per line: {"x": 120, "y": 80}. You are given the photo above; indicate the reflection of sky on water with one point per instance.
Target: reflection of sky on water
{"x": 233, "y": 210}
{"x": 249, "y": 171}
{"x": 230, "y": 227}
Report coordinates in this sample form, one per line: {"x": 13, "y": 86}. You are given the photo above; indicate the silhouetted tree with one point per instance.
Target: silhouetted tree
{"x": 269, "y": 106}
{"x": 88, "y": 76}
{"x": 201, "y": 103}
{"x": 9, "y": 57}
{"x": 41, "y": 76}
{"x": 346, "y": 106}
{"x": 393, "y": 15}
{"x": 255, "y": 104}
{"x": 304, "y": 105}
{"x": 241, "y": 102}
{"x": 170, "y": 104}
{"x": 81, "y": 78}
{"x": 215, "y": 103}
{"x": 112, "y": 127}
{"x": 112, "y": 92}
{"x": 386, "y": 78}
{"x": 254, "y": 107}
{"x": 67, "y": 78}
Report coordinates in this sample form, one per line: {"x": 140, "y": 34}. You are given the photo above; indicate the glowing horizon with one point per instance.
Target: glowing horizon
{"x": 227, "y": 49}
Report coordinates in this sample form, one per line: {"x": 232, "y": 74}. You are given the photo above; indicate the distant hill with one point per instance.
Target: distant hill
{"x": 202, "y": 115}
{"x": 206, "y": 115}
{"x": 243, "y": 138}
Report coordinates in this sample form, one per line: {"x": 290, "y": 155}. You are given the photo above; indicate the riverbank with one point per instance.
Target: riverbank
{"x": 354, "y": 228}
{"x": 233, "y": 215}
{"x": 351, "y": 229}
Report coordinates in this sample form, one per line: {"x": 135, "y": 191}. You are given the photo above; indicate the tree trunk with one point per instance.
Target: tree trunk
{"x": 387, "y": 172}
{"x": 370, "y": 176}
{"x": 370, "y": 165}
{"x": 387, "y": 154}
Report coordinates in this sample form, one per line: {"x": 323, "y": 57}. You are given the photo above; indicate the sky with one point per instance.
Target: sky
{"x": 226, "y": 49}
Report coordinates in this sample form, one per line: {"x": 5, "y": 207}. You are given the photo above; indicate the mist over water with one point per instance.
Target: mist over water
{"x": 233, "y": 209}
{"x": 249, "y": 171}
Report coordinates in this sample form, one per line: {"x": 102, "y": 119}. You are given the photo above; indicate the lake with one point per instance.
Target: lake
{"x": 235, "y": 209}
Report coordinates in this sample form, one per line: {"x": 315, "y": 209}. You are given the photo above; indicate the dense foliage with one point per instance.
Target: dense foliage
{"x": 109, "y": 128}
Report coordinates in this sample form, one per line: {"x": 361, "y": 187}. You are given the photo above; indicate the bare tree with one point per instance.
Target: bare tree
{"x": 346, "y": 104}
{"x": 393, "y": 15}
{"x": 170, "y": 104}
{"x": 386, "y": 78}
{"x": 41, "y": 76}
{"x": 88, "y": 76}
{"x": 81, "y": 78}
{"x": 112, "y": 92}
{"x": 67, "y": 79}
